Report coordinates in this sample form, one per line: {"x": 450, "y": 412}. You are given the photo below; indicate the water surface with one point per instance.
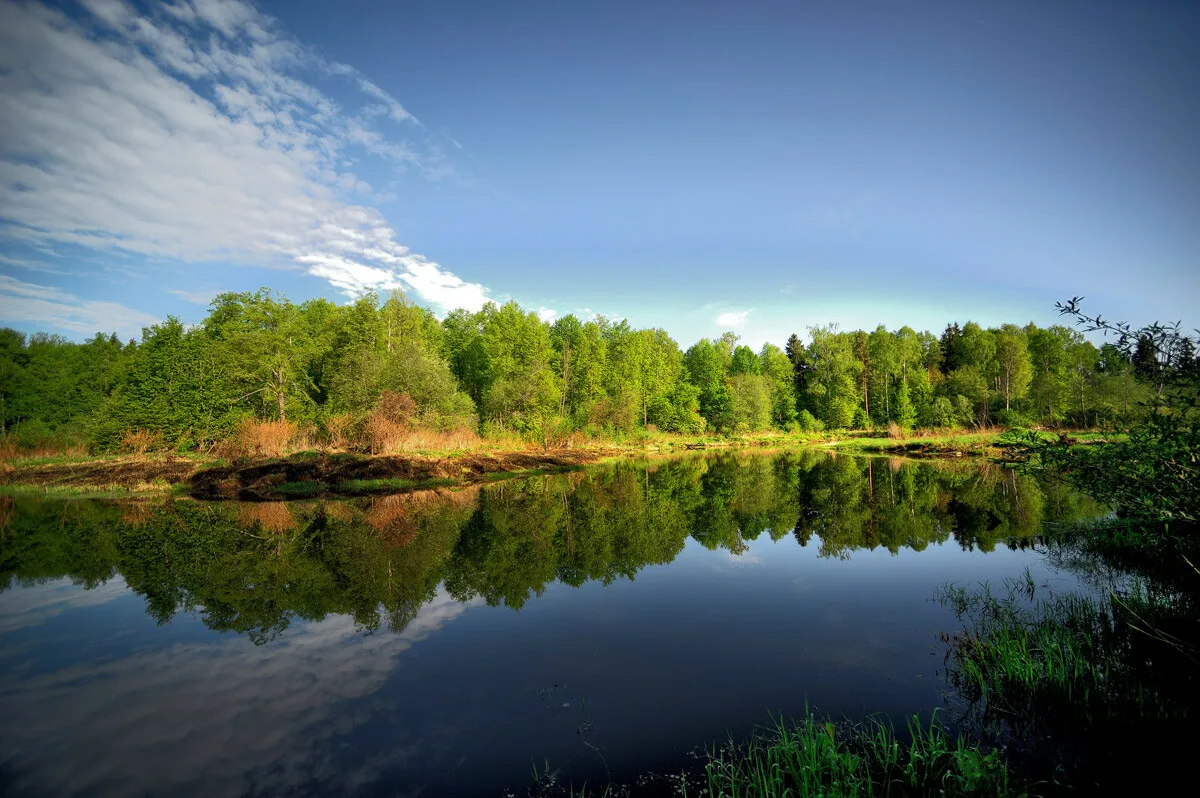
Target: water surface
{"x": 604, "y": 623}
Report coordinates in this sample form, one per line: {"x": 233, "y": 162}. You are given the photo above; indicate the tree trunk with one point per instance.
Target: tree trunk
{"x": 280, "y": 385}
{"x": 562, "y": 402}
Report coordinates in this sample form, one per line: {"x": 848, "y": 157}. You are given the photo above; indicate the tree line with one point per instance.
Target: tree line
{"x": 325, "y": 367}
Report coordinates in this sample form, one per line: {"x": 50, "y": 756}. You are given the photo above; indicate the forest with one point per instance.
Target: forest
{"x": 364, "y": 374}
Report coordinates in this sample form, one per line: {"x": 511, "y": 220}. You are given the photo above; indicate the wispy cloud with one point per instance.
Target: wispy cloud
{"x": 231, "y": 703}
{"x": 31, "y": 265}
{"x": 203, "y": 298}
{"x": 23, "y": 302}
{"x": 547, "y": 314}
{"x": 197, "y": 132}
{"x": 732, "y": 318}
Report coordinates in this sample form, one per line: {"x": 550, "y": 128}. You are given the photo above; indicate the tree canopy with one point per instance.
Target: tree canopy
{"x": 259, "y": 356}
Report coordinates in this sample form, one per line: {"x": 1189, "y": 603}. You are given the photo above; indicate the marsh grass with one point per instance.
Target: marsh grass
{"x": 393, "y": 484}
{"x": 55, "y": 492}
{"x": 1093, "y": 683}
{"x": 815, "y": 756}
{"x": 297, "y": 489}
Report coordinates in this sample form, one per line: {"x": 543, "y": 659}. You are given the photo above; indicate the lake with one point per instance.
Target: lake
{"x": 602, "y": 624}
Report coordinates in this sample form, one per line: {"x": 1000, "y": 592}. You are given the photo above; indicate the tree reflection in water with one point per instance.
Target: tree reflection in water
{"x": 252, "y": 568}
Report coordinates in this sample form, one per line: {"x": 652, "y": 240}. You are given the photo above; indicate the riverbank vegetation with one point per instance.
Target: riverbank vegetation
{"x": 261, "y": 376}
{"x": 1095, "y": 682}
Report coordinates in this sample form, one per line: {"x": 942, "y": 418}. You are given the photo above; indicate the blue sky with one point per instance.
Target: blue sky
{"x": 696, "y": 166}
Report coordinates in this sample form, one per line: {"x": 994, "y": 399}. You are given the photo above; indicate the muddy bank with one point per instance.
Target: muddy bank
{"x": 349, "y": 475}
{"x": 300, "y": 475}
{"x": 128, "y": 473}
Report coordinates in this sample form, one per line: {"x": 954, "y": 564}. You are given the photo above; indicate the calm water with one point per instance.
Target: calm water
{"x": 607, "y": 622}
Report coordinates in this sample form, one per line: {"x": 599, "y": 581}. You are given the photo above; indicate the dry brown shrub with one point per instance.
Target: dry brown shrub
{"x": 304, "y": 439}
{"x": 389, "y": 423}
{"x": 137, "y": 514}
{"x": 269, "y": 516}
{"x": 398, "y": 408}
{"x": 260, "y": 439}
{"x": 339, "y": 428}
{"x": 394, "y": 517}
{"x": 9, "y": 450}
{"x": 7, "y": 511}
{"x": 381, "y": 435}
{"x": 140, "y": 441}
{"x": 894, "y": 432}
{"x": 339, "y": 511}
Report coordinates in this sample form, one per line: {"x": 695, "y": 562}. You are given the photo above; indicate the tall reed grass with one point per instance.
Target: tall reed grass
{"x": 814, "y": 756}
{"x": 1085, "y": 680}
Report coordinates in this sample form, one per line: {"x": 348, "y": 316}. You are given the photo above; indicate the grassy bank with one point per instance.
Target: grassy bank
{"x": 995, "y": 443}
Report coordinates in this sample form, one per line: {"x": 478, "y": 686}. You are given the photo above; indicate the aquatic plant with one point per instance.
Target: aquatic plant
{"x": 815, "y": 756}
{"x": 1087, "y": 683}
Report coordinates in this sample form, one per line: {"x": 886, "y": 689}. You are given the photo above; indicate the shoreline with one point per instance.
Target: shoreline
{"x": 313, "y": 473}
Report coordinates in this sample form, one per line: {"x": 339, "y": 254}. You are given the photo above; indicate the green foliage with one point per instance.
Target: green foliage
{"x": 808, "y": 422}
{"x": 832, "y": 378}
{"x": 503, "y": 369}
{"x": 906, "y": 413}
{"x": 1152, "y": 473}
{"x": 1096, "y": 681}
{"x": 815, "y": 756}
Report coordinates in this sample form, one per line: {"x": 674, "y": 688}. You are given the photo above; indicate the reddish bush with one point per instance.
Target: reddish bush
{"x": 140, "y": 441}
{"x": 260, "y": 439}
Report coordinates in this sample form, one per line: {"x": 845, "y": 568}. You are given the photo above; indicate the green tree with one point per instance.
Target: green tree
{"x": 705, "y": 363}
{"x": 1048, "y": 360}
{"x": 263, "y": 345}
{"x": 906, "y": 414}
{"x": 522, "y": 389}
{"x": 1014, "y": 366}
{"x": 778, "y": 370}
{"x": 833, "y": 377}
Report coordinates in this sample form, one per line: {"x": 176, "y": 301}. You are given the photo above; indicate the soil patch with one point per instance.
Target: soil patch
{"x": 342, "y": 474}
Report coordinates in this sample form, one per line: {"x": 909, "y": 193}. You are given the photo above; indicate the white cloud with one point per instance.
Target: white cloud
{"x": 203, "y": 298}
{"x": 197, "y": 133}
{"x": 732, "y": 318}
{"x": 222, "y": 706}
{"x": 31, "y": 265}
{"x": 547, "y": 314}
{"x": 33, "y": 605}
{"x": 23, "y": 302}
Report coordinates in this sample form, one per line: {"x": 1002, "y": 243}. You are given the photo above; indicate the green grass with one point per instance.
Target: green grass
{"x": 874, "y": 442}
{"x": 498, "y": 476}
{"x": 813, "y": 756}
{"x": 306, "y": 488}
{"x": 1073, "y": 666}
{"x": 393, "y": 484}
{"x": 71, "y": 492}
